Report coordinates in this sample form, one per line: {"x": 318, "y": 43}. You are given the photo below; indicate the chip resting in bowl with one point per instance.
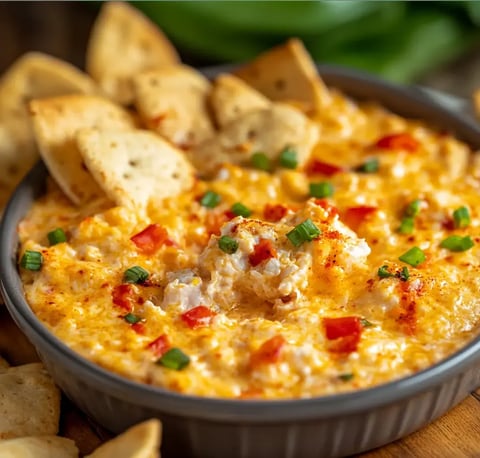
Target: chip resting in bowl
{"x": 255, "y": 236}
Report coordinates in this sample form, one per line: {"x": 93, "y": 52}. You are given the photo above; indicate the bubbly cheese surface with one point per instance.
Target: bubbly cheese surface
{"x": 267, "y": 333}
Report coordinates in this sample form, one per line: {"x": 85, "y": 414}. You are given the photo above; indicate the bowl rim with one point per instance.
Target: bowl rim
{"x": 254, "y": 411}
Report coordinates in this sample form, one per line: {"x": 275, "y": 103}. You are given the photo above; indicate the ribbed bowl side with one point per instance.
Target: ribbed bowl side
{"x": 324, "y": 437}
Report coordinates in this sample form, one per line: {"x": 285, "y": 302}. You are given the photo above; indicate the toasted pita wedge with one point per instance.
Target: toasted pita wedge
{"x": 56, "y": 122}
{"x": 29, "y": 402}
{"x": 122, "y": 44}
{"x": 173, "y": 102}
{"x": 231, "y": 98}
{"x": 34, "y": 75}
{"x": 38, "y": 447}
{"x": 3, "y": 365}
{"x": 134, "y": 167}
{"x": 287, "y": 73}
{"x": 140, "y": 441}
{"x": 269, "y": 130}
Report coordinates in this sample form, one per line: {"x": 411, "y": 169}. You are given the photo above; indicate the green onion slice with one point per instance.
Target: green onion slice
{"x": 227, "y": 244}
{"x": 174, "y": 359}
{"x": 407, "y": 225}
{"x": 345, "y": 377}
{"x": 288, "y": 158}
{"x": 404, "y": 274}
{"x": 239, "y": 209}
{"x": 414, "y": 257}
{"x": 461, "y": 217}
{"x": 457, "y": 243}
{"x": 321, "y": 189}
{"x": 210, "y": 199}
{"x": 131, "y": 318}
{"x": 369, "y": 166}
{"x": 56, "y": 236}
{"x": 135, "y": 274}
{"x": 304, "y": 232}
{"x": 413, "y": 208}
{"x": 365, "y": 323}
{"x": 261, "y": 161}
{"x": 32, "y": 260}
{"x": 384, "y": 273}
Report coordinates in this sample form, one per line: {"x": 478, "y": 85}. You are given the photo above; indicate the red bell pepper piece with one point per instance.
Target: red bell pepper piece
{"x": 316, "y": 167}
{"x": 262, "y": 251}
{"x": 274, "y": 212}
{"x": 198, "y": 317}
{"x": 344, "y": 333}
{"x": 160, "y": 345}
{"x": 151, "y": 239}
{"x": 124, "y": 296}
{"x": 269, "y": 352}
{"x": 355, "y": 216}
{"x": 402, "y": 141}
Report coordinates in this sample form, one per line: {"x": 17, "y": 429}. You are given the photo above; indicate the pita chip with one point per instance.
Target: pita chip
{"x": 173, "y": 102}
{"x": 231, "y": 98}
{"x": 34, "y": 75}
{"x": 3, "y": 365}
{"x": 268, "y": 130}
{"x": 122, "y": 44}
{"x": 38, "y": 447}
{"x": 135, "y": 167}
{"x": 56, "y": 122}
{"x": 287, "y": 73}
{"x": 140, "y": 441}
{"x": 29, "y": 402}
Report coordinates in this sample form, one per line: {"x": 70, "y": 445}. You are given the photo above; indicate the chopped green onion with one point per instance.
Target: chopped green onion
{"x": 227, "y": 244}
{"x": 135, "y": 274}
{"x": 365, "y": 323}
{"x": 384, "y": 273}
{"x": 321, "y": 190}
{"x": 304, "y": 232}
{"x": 404, "y": 275}
{"x": 413, "y": 208}
{"x": 261, "y": 161}
{"x": 288, "y": 158}
{"x": 56, "y": 236}
{"x": 32, "y": 260}
{"x": 414, "y": 257}
{"x": 457, "y": 243}
{"x": 240, "y": 210}
{"x": 461, "y": 217}
{"x": 131, "y": 318}
{"x": 345, "y": 377}
{"x": 369, "y": 166}
{"x": 407, "y": 225}
{"x": 210, "y": 199}
{"x": 174, "y": 359}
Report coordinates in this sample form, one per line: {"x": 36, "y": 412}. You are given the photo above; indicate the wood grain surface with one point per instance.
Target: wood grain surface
{"x": 455, "y": 435}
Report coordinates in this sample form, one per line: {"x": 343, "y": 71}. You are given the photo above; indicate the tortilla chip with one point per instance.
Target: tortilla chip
{"x": 173, "y": 102}
{"x": 269, "y": 130}
{"x": 56, "y": 122}
{"x": 134, "y": 167}
{"x": 231, "y": 98}
{"x": 38, "y": 447}
{"x": 287, "y": 73}
{"x": 29, "y": 402}
{"x": 34, "y": 75}
{"x": 122, "y": 44}
{"x": 140, "y": 441}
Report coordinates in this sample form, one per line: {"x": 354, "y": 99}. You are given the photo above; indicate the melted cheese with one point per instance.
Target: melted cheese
{"x": 415, "y": 323}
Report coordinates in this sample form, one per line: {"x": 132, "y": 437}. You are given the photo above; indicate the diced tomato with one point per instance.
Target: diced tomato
{"x": 124, "y": 296}
{"x": 343, "y": 333}
{"x": 229, "y": 214}
{"x": 139, "y": 327}
{"x": 198, "y": 317}
{"x": 274, "y": 212}
{"x": 262, "y": 251}
{"x": 402, "y": 141}
{"x": 316, "y": 167}
{"x": 269, "y": 352}
{"x": 355, "y": 216}
{"x": 160, "y": 345}
{"x": 151, "y": 239}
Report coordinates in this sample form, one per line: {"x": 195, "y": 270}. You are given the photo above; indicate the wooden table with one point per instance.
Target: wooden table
{"x": 455, "y": 435}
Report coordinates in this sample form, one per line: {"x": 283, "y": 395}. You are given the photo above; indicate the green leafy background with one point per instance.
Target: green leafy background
{"x": 396, "y": 39}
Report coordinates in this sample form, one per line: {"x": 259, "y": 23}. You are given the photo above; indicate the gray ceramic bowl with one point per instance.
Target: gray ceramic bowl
{"x": 203, "y": 427}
